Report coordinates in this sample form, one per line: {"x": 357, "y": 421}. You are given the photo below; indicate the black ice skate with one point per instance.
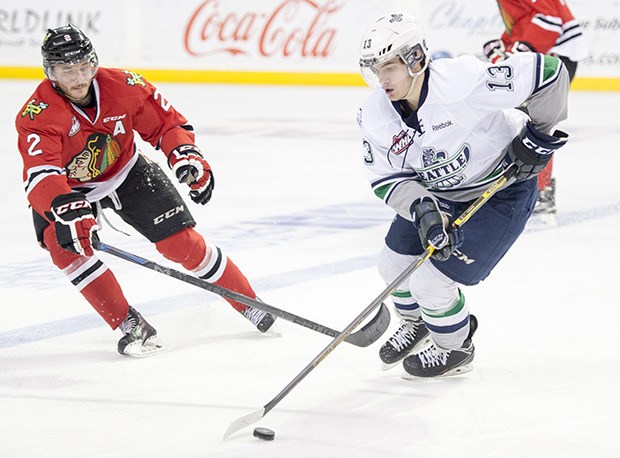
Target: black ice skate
{"x": 434, "y": 361}
{"x": 408, "y": 338}
{"x": 140, "y": 338}
{"x": 259, "y": 318}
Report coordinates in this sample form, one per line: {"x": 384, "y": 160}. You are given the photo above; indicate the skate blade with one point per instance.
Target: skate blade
{"x": 273, "y": 331}
{"x": 150, "y": 347}
{"x": 452, "y": 372}
{"x": 540, "y": 221}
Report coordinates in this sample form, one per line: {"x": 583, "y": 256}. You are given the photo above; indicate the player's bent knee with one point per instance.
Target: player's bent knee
{"x": 431, "y": 288}
{"x": 391, "y": 264}
{"x": 187, "y": 247}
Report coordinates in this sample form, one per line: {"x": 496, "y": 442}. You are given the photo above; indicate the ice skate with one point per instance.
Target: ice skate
{"x": 259, "y": 318}
{"x": 140, "y": 338}
{"x": 408, "y": 338}
{"x": 434, "y": 361}
{"x": 544, "y": 212}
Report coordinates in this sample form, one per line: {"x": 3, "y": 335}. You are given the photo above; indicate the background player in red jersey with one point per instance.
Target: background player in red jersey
{"x": 548, "y": 27}
{"x": 76, "y": 138}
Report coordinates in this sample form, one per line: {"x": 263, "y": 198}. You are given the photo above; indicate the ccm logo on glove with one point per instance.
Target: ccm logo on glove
{"x": 64, "y": 208}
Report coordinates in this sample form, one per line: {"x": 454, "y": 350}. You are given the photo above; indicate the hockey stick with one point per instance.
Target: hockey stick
{"x": 247, "y": 420}
{"x": 362, "y": 338}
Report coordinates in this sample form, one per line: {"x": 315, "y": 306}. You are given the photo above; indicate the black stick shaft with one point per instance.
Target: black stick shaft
{"x": 226, "y": 293}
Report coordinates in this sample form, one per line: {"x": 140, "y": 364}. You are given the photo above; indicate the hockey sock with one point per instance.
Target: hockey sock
{"x": 404, "y": 304}
{"x": 206, "y": 261}
{"x": 105, "y": 295}
{"x": 99, "y": 287}
{"x": 544, "y": 177}
{"x": 93, "y": 279}
{"x": 449, "y": 326}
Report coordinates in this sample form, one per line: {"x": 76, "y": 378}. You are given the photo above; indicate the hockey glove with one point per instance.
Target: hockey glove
{"x": 531, "y": 150}
{"x": 432, "y": 229}
{"x": 75, "y": 223}
{"x": 496, "y": 51}
{"x": 190, "y": 168}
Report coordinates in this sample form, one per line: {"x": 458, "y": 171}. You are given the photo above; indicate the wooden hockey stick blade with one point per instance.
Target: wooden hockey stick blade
{"x": 244, "y": 421}
{"x": 372, "y": 330}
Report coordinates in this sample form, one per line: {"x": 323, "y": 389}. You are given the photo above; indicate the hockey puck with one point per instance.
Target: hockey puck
{"x": 264, "y": 434}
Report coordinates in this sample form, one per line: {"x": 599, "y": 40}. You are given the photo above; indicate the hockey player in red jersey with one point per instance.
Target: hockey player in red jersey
{"x": 76, "y": 138}
{"x": 548, "y": 27}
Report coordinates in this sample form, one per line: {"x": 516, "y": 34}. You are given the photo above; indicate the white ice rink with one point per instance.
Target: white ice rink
{"x": 293, "y": 209}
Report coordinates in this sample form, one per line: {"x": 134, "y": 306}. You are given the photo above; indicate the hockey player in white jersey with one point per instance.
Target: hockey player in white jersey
{"x": 435, "y": 135}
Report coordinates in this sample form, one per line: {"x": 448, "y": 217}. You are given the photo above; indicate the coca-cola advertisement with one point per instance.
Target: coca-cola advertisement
{"x": 283, "y": 34}
{"x": 278, "y": 36}
{"x": 292, "y": 29}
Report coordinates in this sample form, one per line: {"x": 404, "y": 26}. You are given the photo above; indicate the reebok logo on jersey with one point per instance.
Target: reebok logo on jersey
{"x": 442, "y": 125}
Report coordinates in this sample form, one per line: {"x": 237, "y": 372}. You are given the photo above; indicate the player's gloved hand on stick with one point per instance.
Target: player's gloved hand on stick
{"x": 496, "y": 51}
{"x": 75, "y": 223}
{"x": 531, "y": 150}
{"x": 433, "y": 231}
{"x": 190, "y": 168}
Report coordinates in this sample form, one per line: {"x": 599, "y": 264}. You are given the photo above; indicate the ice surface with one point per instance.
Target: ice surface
{"x": 292, "y": 208}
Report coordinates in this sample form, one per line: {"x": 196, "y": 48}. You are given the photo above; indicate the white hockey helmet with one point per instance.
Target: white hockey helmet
{"x": 398, "y": 34}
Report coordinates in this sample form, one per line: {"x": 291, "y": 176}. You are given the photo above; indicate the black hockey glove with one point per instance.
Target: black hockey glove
{"x": 531, "y": 150}
{"x": 75, "y": 223}
{"x": 192, "y": 169}
{"x": 430, "y": 222}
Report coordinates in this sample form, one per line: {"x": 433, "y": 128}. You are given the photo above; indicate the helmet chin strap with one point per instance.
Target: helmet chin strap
{"x": 415, "y": 76}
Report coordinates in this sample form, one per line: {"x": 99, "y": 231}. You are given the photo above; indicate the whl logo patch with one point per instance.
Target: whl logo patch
{"x": 401, "y": 143}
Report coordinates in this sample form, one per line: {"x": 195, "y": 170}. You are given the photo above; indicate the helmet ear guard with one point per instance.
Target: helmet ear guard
{"x": 66, "y": 45}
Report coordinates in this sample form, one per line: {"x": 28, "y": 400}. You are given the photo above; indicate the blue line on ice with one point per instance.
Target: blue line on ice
{"x": 332, "y": 218}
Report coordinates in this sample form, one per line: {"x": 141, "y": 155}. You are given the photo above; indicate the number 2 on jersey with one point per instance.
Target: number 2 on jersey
{"x": 34, "y": 140}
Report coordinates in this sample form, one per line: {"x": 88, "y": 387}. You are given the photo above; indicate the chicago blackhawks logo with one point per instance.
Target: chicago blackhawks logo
{"x": 100, "y": 152}
{"x": 133, "y": 79}
{"x": 32, "y": 109}
{"x": 442, "y": 171}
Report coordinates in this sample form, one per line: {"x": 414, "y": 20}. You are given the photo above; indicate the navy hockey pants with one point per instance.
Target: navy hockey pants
{"x": 488, "y": 235}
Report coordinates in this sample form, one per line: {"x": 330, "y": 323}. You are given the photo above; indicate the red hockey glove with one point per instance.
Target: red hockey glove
{"x": 75, "y": 223}
{"x": 496, "y": 51}
{"x": 190, "y": 168}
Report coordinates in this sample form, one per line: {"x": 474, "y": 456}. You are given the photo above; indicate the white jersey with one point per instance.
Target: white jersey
{"x": 453, "y": 145}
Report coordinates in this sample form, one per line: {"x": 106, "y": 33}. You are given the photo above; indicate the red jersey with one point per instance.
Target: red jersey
{"x": 547, "y": 25}
{"x": 65, "y": 147}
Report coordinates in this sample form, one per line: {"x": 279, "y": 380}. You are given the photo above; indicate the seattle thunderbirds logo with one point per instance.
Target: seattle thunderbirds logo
{"x": 441, "y": 171}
